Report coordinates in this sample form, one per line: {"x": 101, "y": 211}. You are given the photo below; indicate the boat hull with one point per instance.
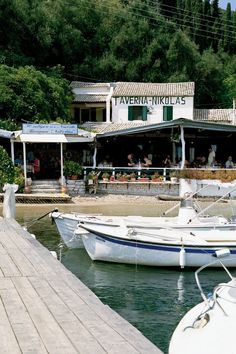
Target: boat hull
{"x": 66, "y": 228}
{"x": 68, "y": 223}
{"x": 204, "y": 330}
{"x": 123, "y": 250}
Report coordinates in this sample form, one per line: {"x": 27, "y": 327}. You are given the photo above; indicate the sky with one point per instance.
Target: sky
{"x": 223, "y": 4}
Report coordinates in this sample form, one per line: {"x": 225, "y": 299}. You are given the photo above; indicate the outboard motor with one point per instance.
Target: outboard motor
{"x": 186, "y": 211}
{"x": 186, "y": 203}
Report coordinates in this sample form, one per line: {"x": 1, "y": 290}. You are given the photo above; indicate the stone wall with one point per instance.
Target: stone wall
{"x": 78, "y": 187}
{"x": 75, "y": 187}
{"x": 138, "y": 188}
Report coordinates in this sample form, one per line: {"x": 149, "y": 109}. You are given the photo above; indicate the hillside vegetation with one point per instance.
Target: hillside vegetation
{"x": 46, "y": 44}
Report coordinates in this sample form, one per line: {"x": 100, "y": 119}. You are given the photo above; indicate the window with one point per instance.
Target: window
{"x": 137, "y": 113}
{"x": 89, "y": 114}
{"x": 167, "y": 113}
{"x": 85, "y": 115}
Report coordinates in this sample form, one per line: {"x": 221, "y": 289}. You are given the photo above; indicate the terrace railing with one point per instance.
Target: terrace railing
{"x": 139, "y": 172}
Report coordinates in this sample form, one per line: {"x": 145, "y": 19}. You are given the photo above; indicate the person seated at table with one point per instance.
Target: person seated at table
{"x": 167, "y": 161}
{"x": 19, "y": 160}
{"x": 36, "y": 166}
{"x": 131, "y": 160}
{"x": 30, "y": 156}
{"x": 229, "y": 163}
{"x": 146, "y": 162}
{"x": 105, "y": 162}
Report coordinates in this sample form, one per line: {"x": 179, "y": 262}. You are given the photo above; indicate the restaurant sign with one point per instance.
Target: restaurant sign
{"x": 155, "y": 100}
{"x": 67, "y": 129}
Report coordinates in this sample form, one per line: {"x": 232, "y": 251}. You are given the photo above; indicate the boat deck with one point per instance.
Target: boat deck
{"x": 44, "y": 308}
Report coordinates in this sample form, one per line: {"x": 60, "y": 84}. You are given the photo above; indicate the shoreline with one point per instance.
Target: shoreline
{"x": 137, "y": 199}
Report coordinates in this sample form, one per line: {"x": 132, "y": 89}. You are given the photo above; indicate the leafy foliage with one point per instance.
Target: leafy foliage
{"x": 27, "y": 94}
{"x": 223, "y": 175}
{"x": 7, "y": 170}
{"x": 111, "y": 40}
{"x": 72, "y": 168}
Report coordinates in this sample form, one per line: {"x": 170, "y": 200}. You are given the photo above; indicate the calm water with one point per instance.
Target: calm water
{"x": 152, "y": 299}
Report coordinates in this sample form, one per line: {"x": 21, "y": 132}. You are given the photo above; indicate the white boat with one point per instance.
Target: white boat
{"x": 188, "y": 219}
{"x": 157, "y": 247}
{"x": 209, "y": 327}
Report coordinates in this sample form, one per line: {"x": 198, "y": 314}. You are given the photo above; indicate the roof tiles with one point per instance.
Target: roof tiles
{"x": 153, "y": 89}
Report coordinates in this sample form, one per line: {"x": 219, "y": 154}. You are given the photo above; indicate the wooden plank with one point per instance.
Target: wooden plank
{"x": 44, "y": 308}
{"x": 24, "y": 330}
{"x": 9, "y": 343}
{"x": 75, "y": 330}
{"x": 94, "y": 322}
{"x": 52, "y": 335}
{"x": 8, "y": 267}
{"x": 124, "y": 328}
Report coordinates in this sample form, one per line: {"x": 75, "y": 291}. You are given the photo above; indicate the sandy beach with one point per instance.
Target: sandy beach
{"x": 123, "y": 199}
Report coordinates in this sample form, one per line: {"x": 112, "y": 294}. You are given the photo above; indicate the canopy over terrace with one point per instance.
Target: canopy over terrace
{"x": 49, "y": 133}
{"x": 195, "y": 131}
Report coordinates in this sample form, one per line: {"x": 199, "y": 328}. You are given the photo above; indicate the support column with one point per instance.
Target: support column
{"x": 173, "y": 152}
{"x": 183, "y": 146}
{"x": 12, "y": 152}
{"x": 108, "y": 106}
{"x": 94, "y": 156}
{"x": 24, "y": 162}
{"x": 62, "y": 166}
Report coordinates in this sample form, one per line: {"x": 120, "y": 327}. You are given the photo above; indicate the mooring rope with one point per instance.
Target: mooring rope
{"x": 32, "y": 222}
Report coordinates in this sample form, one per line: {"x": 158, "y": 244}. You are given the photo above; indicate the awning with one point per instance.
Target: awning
{"x": 53, "y": 138}
{"x": 5, "y": 134}
{"x": 184, "y": 122}
{"x": 83, "y": 136}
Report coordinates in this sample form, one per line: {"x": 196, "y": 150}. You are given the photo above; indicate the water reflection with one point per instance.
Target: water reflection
{"x": 152, "y": 299}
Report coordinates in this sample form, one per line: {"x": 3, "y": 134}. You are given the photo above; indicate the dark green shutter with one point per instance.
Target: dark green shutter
{"x": 130, "y": 113}
{"x": 144, "y": 113}
{"x": 167, "y": 113}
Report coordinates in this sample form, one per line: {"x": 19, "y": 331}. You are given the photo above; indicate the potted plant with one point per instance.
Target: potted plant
{"x": 155, "y": 177}
{"x": 120, "y": 177}
{"x": 112, "y": 178}
{"x": 72, "y": 169}
{"x": 92, "y": 177}
{"x": 132, "y": 176}
{"x": 105, "y": 176}
{"x": 143, "y": 178}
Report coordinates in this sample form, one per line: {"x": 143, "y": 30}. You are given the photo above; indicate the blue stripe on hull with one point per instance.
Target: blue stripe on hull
{"x": 151, "y": 246}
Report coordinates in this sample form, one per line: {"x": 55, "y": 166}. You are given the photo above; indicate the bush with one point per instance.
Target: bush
{"x": 19, "y": 179}
{"x": 7, "y": 170}
{"x": 72, "y": 168}
{"x": 105, "y": 175}
{"x": 223, "y": 175}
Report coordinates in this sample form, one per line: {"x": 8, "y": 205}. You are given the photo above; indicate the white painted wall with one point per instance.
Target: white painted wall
{"x": 91, "y": 90}
{"x": 182, "y": 108}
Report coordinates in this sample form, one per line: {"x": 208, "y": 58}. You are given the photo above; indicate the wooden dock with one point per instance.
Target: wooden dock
{"x": 40, "y": 198}
{"x": 44, "y": 308}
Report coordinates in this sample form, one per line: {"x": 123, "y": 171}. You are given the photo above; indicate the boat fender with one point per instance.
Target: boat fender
{"x": 224, "y": 252}
{"x": 54, "y": 254}
{"x": 182, "y": 260}
{"x": 202, "y": 321}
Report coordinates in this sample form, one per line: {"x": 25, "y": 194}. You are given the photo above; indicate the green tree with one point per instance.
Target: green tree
{"x": 7, "y": 171}
{"x": 30, "y": 95}
{"x": 210, "y": 86}
{"x": 182, "y": 58}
